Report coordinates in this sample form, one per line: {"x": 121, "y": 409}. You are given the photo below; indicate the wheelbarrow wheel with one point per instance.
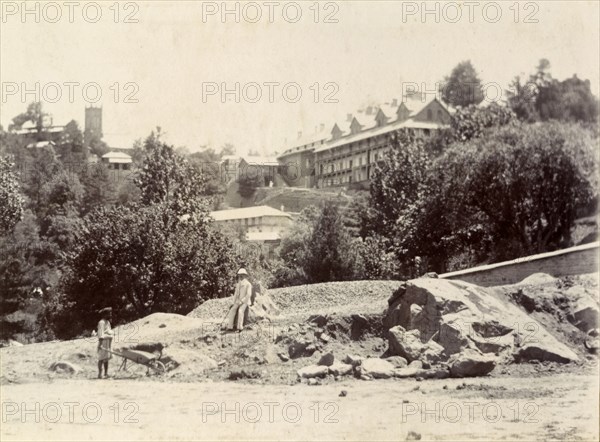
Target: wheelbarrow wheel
{"x": 158, "y": 367}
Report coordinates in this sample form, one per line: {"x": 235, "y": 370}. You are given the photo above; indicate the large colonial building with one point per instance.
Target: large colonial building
{"x": 347, "y": 153}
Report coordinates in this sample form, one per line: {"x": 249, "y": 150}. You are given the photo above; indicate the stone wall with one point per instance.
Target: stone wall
{"x": 572, "y": 261}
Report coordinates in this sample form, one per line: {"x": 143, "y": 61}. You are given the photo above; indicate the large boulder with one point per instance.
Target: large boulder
{"x": 377, "y": 368}
{"x": 263, "y": 307}
{"x": 408, "y": 345}
{"x": 327, "y": 359}
{"x": 313, "y": 371}
{"x": 471, "y": 363}
{"x": 538, "y": 351}
{"x": 65, "y": 367}
{"x": 397, "y": 361}
{"x": 353, "y": 359}
{"x": 340, "y": 369}
{"x": 460, "y": 316}
{"x": 584, "y": 308}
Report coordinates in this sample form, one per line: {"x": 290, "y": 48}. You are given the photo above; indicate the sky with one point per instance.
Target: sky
{"x": 298, "y": 64}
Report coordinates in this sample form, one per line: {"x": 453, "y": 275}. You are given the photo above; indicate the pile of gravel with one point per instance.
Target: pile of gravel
{"x": 340, "y": 297}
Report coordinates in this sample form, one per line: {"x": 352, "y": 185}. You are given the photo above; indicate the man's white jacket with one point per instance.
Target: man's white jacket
{"x": 243, "y": 292}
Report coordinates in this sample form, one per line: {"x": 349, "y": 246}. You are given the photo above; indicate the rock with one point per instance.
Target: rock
{"x": 535, "y": 349}
{"x": 460, "y": 316}
{"x": 584, "y": 309}
{"x": 300, "y": 348}
{"x": 311, "y": 371}
{"x": 13, "y": 343}
{"x": 412, "y": 435}
{"x": 263, "y": 306}
{"x": 416, "y": 364}
{"x": 65, "y": 367}
{"x": 365, "y": 377}
{"x": 377, "y": 368}
{"x": 471, "y": 363}
{"x": 319, "y": 320}
{"x": 405, "y": 343}
{"x": 162, "y": 325}
{"x": 343, "y": 393}
{"x": 397, "y": 361}
{"x": 353, "y": 359}
{"x": 339, "y": 369}
{"x": 405, "y": 372}
{"x": 327, "y": 359}
{"x": 313, "y": 381}
{"x": 432, "y": 353}
{"x": 324, "y": 337}
{"x": 283, "y": 356}
{"x": 433, "y": 373}
{"x": 592, "y": 343}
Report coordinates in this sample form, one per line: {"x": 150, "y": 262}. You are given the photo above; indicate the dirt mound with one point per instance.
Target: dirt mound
{"x": 303, "y": 300}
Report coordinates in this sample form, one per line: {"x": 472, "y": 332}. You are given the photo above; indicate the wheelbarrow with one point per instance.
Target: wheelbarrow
{"x": 150, "y": 360}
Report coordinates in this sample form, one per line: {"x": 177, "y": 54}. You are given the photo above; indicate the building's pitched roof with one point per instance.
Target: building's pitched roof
{"x": 117, "y": 157}
{"x": 247, "y": 212}
{"x": 263, "y": 161}
{"x": 406, "y": 124}
{"x": 41, "y": 144}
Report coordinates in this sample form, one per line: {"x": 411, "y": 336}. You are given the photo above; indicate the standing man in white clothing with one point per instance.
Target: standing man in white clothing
{"x": 241, "y": 298}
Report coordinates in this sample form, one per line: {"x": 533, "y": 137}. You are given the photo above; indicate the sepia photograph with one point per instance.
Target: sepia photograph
{"x": 356, "y": 220}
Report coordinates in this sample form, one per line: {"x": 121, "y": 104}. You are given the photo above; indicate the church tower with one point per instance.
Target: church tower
{"x": 93, "y": 123}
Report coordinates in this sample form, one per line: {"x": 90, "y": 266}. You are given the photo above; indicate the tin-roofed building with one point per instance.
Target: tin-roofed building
{"x": 117, "y": 160}
{"x": 257, "y": 219}
{"x": 263, "y": 225}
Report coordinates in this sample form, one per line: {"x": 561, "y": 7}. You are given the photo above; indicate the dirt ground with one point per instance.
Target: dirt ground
{"x": 559, "y": 407}
{"x": 240, "y": 387}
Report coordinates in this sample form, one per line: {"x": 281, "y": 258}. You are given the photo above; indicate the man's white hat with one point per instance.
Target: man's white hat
{"x": 242, "y": 272}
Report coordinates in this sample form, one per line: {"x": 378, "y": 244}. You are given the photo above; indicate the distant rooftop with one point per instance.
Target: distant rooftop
{"x": 41, "y": 144}
{"x": 247, "y": 212}
{"x": 117, "y": 157}
{"x": 260, "y": 160}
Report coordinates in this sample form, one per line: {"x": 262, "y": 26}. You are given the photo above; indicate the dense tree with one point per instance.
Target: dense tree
{"x": 164, "y": 254}
{"x": 22, "y": 270}
{"x": 11, "y": 202}
{"x": 249, "y": 180}
{"x": 329, "y": 253}
{"x": 169, "y": 179}
{"x": 544, "y": 98}
{"x": 70, "y": 146}
{"x": 292, "y": 250}
{"x": 397, "y": 189}
{"x": 471, "y": 121}
{"x": 99, "y": 185}
{"x": 36, "y": 115}
{"x": 40, "y": 167}
{"x": 515, "y": 192}
{"x": 463, "y": 86}
{"x": 128, "y": 259}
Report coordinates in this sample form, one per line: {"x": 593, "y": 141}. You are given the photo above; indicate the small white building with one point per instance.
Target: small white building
{"x": 117, "y": 160}
{"x": 257, "y": 219}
